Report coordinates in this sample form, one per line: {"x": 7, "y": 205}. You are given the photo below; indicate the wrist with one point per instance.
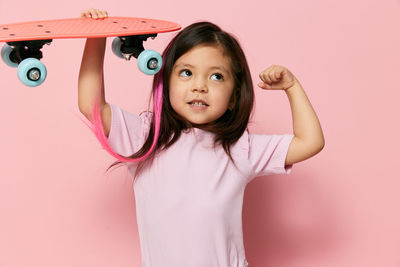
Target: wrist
{"x": 296, "y": 86}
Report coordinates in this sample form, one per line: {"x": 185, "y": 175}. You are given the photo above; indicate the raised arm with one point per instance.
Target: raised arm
{"x": 91, "y": 81}
{"x": 308, "y": 136}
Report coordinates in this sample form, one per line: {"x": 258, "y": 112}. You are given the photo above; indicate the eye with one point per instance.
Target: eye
{"x": 218, "y": 76}
{"x": 185, "y": 73}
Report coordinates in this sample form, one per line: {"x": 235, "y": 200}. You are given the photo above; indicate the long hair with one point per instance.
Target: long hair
{"x": 167, "y": 125}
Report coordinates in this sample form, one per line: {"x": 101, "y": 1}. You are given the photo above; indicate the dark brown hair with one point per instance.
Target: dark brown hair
{"x": 232, "y": 124}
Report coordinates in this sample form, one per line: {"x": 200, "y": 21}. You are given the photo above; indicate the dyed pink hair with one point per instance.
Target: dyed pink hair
{"x": 97, "y": 127}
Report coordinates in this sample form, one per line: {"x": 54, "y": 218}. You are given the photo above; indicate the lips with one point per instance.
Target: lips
{"x": 198, "y": 102}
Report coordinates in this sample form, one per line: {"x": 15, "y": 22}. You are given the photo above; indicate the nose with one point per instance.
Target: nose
{"x": 200, "y": 86}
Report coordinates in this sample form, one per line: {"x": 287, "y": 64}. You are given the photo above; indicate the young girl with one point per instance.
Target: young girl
{"x": 192, "y": 157}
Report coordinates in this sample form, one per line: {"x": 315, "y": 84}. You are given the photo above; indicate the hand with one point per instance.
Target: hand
{"x": 276, "y": 78}
{"x": 94, "y": 13}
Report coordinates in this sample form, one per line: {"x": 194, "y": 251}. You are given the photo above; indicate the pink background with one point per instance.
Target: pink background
{"x": 338, "y": 208}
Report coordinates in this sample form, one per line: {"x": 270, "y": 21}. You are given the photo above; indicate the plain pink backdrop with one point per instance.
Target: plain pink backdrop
{"x": 338, "y": 208}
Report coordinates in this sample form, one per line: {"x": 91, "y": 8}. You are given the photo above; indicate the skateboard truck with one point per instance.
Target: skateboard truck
{"x": 133, "y": 45}
{"x": 26, "y": 49}
{"x": 26, "y": 56}
{"x": 126, "y": 47}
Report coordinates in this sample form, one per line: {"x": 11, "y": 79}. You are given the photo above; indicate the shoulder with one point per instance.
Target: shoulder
{"x": 120, "y": 113}
{"x": 146, "y": 118}
{"x": 131, "y": 124}
{"x": 241, "y": 147}
{"x": 249, "y": 143}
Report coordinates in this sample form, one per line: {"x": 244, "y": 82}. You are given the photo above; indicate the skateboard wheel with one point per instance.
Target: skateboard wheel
{"x": 5, "y": 55}
{"x": 149, "y": 62}
{"x": 116, "y": 47}
{"x": 32, "y": 72}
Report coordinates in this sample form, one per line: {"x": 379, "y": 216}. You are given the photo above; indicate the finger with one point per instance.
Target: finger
{"x": 271, "y": 75}
{"x": 278, "y": 75}
{"x": 265, "y": 78}
{"x": 96, "y": 13}
{"x": 101, "y": 14}
{"x": 93, "y": 13}
{"x": 267, "y": 86}
{"x": 105, "y": 13}
{"x": 264, "y": 71}
{"x": 88, "y": 13}
{"x": 263, "y": 85}
{"x": 85, "y": 14}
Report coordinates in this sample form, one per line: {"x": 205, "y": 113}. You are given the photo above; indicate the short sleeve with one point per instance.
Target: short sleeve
{"x": 267, "y": 154}
{"x": 128, "y": 131}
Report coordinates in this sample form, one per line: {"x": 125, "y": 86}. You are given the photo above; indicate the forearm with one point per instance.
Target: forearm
{"x": 90, "y": 83}
{"x": 306, "y": 125}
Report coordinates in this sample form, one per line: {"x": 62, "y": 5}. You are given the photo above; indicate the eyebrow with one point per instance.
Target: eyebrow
{"x": 212, "y": 67}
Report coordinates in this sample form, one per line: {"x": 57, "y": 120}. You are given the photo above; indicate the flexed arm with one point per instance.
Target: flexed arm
{"x": 308, "y": 139}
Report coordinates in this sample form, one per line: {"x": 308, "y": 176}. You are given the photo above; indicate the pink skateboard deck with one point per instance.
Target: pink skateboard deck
{"x": 83, "y": 28}
{"x": 26, "y": 39}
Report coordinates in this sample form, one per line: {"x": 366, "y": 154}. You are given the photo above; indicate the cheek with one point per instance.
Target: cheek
{"x": 224, "y": 98}
{"x": 171, "y": 98}
{"x": 175, "y": 96}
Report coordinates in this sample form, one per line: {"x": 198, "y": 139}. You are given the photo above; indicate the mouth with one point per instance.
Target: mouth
{"x": 198, "y": 103}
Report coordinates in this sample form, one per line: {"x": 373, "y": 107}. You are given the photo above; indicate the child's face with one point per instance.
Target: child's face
{"x": 201, "y": 84}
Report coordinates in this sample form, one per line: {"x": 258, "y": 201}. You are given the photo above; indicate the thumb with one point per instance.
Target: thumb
{"x": 263, "y": 85}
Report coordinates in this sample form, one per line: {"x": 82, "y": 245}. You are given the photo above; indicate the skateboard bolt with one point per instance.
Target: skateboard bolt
{"x": 152, "y": 64}
{"x": 127, "y": 56}
{"x": 34, "y": 74}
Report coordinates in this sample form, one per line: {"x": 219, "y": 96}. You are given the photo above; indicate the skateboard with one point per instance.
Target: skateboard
{"x": 25, "y": 40}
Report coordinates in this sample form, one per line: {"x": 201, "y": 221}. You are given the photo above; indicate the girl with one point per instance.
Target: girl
{"x": 192, "y": 157}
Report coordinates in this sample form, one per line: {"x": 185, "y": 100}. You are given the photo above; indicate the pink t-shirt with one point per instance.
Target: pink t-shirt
{"x": 189, "y": 200}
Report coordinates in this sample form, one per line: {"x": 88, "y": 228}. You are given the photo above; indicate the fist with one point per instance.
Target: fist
{"x": 276, "y": 78}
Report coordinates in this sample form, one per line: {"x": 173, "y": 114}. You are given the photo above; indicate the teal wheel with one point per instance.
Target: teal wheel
{"x": 116, "y": 47}
{"x": 32, "y": 72}
{"x": 149, "y": 62}
{"x": 5, "y": 55}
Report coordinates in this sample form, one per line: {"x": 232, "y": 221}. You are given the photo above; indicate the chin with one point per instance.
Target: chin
{"x": 196, "y": 121}
{"x": 200, "y": 122}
